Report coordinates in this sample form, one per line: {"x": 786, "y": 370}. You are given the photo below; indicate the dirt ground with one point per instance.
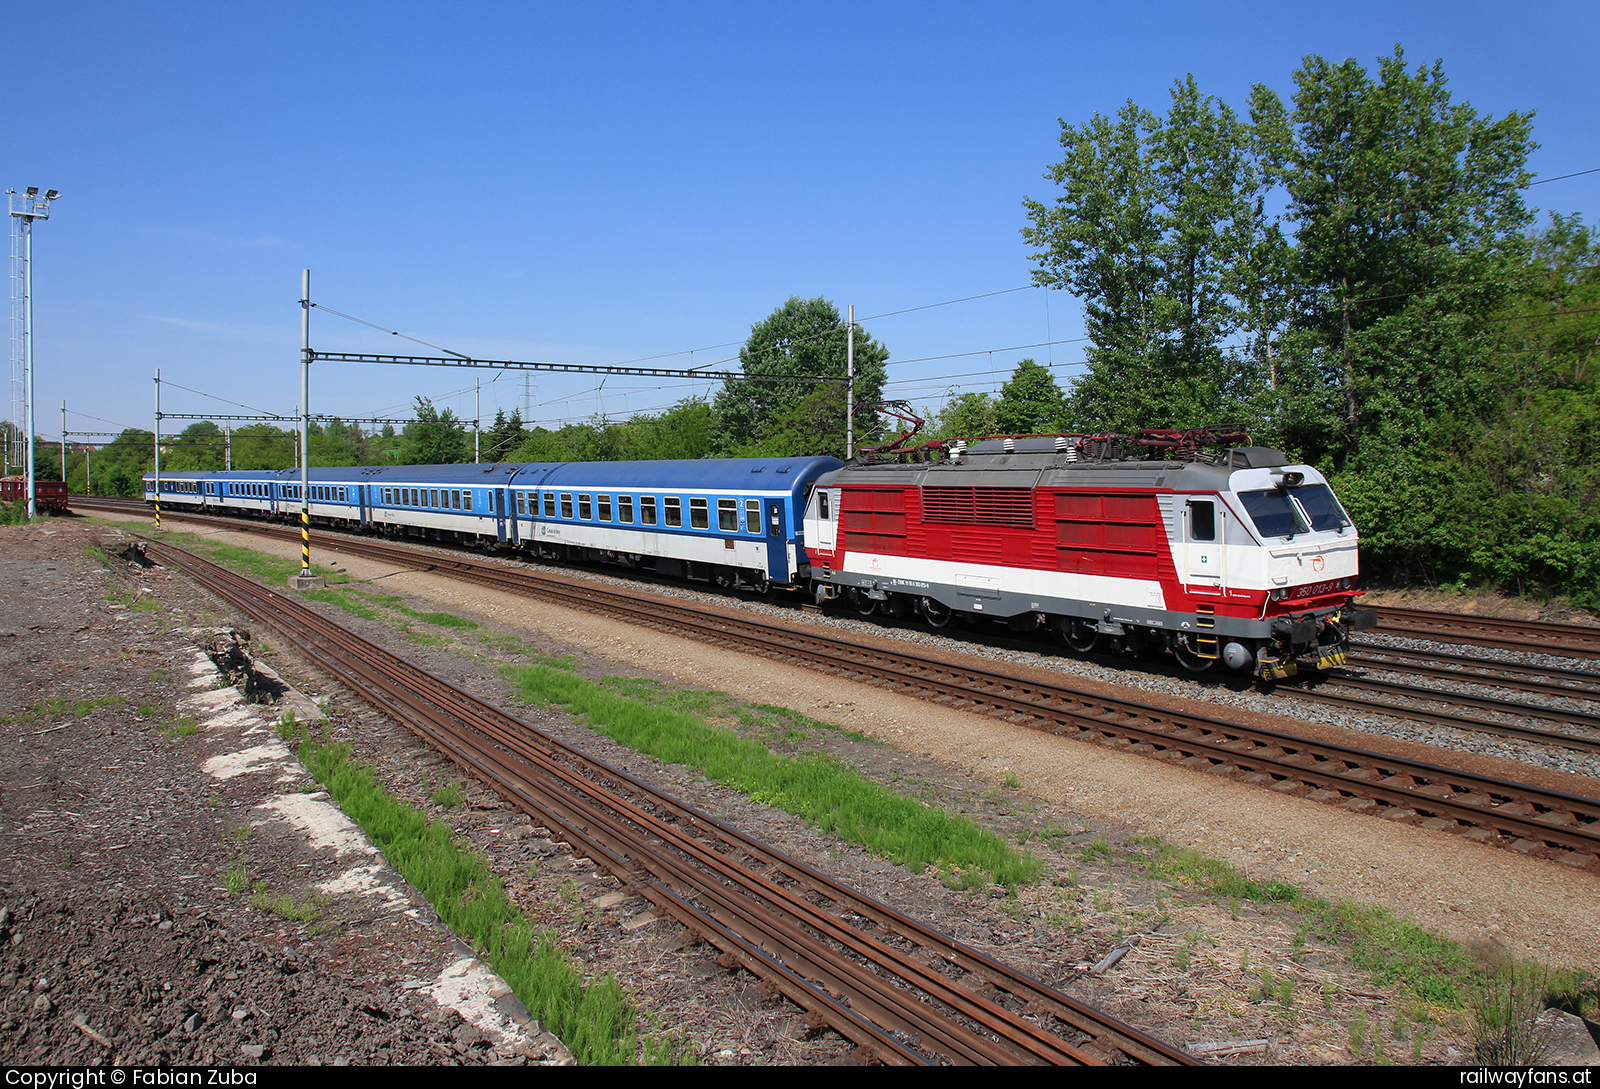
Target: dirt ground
{"x": 1199, "y": 971}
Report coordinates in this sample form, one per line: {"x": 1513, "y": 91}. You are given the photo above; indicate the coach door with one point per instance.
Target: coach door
{"x": 777, "y": 542}
{"x": 499, "y": 499}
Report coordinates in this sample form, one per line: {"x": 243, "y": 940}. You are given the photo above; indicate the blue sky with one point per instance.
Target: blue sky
{"x": 595, "y": 183}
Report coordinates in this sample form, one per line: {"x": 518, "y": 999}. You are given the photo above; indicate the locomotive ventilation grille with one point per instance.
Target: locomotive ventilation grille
{"x": 978, "y": 506}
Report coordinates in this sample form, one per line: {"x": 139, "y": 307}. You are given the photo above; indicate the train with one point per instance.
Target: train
{"x": 1154, "y": 543}
{"x": 49, "y": 495}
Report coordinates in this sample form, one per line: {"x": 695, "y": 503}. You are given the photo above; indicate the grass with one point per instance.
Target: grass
{"x": 594, "y": 1020}
{"x": 248, "y": 561}
{"x": 285, "y": 906}
{"x": 183, "y": 726}
{"x": 1390, "y": 949}
{"x": 449, "y": 796}
{"x": 815, "y": 786}
{"x": 56, "y": 707}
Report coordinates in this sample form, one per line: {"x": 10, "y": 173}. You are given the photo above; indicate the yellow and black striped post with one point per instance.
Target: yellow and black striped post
{"x": 158, "y": 510}
{"x": 305, "y": 541}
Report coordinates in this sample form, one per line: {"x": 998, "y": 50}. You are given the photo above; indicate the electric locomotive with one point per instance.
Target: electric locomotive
{"x": 1236, "y": 557}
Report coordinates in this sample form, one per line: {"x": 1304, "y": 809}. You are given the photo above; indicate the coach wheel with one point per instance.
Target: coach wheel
{"x": 723, "y": 578}
{"x": 759, "y": 582}
{"x": 1187, "y": 657}
{"x": 936, "y": 614}
{"x": 1081, "y": 635}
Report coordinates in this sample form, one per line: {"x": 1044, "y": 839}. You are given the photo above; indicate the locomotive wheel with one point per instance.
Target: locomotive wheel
{"x": 1188, "y": 658}
{"x": 936, "y": 614}
{"x": 1081, "y": 635}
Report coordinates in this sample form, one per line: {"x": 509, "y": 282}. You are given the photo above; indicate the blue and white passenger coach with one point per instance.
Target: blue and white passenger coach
{"x": 732, "y": 521}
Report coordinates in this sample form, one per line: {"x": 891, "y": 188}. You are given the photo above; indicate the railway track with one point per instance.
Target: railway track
{"x": 1536, "y": 636}
{"x": 901, "y": 992}
{"x": 1494, "y": 811}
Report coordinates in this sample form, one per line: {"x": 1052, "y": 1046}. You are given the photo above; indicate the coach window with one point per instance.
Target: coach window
{"x": 455, "y": 500}
{"x": 674, "y": 510}
{"x": 752, "y": 516}
{"x": 585, "y": 507}
{"x": 625, "y": 509}
{"x": 1202, "y": 520}
{"x": 699, "y": 514}
{"x": 647, "y": 510}
{"x": 522, "y": 502}
{"x": 566, "y": 504}
{"x": 728, "y": 515}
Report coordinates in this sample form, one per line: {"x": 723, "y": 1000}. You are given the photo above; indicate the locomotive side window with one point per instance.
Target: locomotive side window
{"x": 647, "y": 510}
{"x": 822, "y": 507}
{"x": 604, "y": 503}
{"x": 585, "y": 507}
{"x": 674, "y": 510}
{"x": 699, "y": 514}
{"x": 625, "y": 508}
{"x": 752, "y": 516}
{"x": 1202, "y": 520}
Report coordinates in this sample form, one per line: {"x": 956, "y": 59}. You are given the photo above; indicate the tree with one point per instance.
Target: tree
{"x": 505, "y": 435}
{"x": 434, "y": 437}
{"x": 801, "y": 337}
{"x": 965, "y": 416}
{"x": 1410, "y": 231}
{"x": 1030, "y": 402}
{"x": 1161, "y": 228}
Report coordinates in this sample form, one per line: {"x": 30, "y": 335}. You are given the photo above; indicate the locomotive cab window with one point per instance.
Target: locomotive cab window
{"x": 1202, "y": 520}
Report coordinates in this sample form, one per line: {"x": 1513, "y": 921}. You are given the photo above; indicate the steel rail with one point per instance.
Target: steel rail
{"x": 1536, "y": 636}
{"x": 1486, "y": 672}
{"x": 1504, "y": 813}
{"x": 1341, "y": 679}
{"x": 866, "y": 989}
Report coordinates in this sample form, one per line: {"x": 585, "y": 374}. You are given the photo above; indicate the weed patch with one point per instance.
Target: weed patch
{"x": 816, "y": 786}
{"x": 595, "y": 1020}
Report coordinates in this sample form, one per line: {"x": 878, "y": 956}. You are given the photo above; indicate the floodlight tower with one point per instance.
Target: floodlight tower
{"x": 25, "y": 208}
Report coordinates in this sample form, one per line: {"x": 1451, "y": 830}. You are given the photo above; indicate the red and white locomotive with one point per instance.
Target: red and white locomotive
{"x": 1143, "y": 542}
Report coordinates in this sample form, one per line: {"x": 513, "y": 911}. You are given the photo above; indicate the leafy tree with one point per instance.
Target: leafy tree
{"x": 434, "y": 437}
{"x": 1409, "y": 235}
{"x": 1162, "y": 229}
{"x": 1030, "y": 402}
{"x": 965, "y": 416}
{"x": 801, "y": 337}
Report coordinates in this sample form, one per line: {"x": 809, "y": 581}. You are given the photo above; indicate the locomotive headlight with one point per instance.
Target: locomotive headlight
{"x": 1279, "y": 595}
{"x": 1344, "y": 584}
